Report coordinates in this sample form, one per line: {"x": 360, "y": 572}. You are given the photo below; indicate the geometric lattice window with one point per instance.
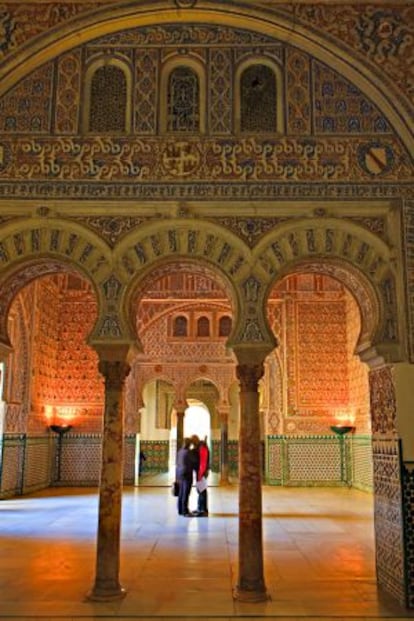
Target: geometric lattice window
{"x": 108, "y": 100}
{"x": 203, "y": 326}
{"x": 183, "y": 101}
{"x": 258, "y": 103}
{"x": 180, "y": 326}
{"x": 225, "y": 325}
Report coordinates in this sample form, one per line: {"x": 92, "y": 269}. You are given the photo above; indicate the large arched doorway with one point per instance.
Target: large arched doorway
{"x": 324, "y": 172}
{"x": 183, "y": 318}
{"x": 51, "y": 382}
{"x": 316, "y": 386}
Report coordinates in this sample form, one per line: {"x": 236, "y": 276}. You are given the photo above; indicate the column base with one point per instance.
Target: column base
{"x": 101, "y": 594}
{"x": 250, "y": 596}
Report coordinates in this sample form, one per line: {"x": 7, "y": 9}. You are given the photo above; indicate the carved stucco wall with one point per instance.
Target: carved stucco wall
{"x": 17, "y": 380}
{"x": 332, "y": 109}
{"x": 320, "y": 378}
{"x": 335, "y": 133}
{"x": 358, "y": 372}
{"x": 381, "y": 34}
{"x": 332, "y": 194}
{"x": 316, "y": 381}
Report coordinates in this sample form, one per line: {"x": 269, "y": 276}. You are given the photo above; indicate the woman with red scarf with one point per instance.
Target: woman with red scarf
{"x": 202, "y": 474}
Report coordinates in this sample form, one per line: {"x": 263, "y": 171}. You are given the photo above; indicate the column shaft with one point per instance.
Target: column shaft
{"x": 107, "y": 586}
{"x": 251, "y": 584}
{"x": 180, "y": 428}
{"x": 224, "y": 448}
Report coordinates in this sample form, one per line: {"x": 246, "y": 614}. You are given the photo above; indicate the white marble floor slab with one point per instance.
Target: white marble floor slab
{"x": 319, "y": 557}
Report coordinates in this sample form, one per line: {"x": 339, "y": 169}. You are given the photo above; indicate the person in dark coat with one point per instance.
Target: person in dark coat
{"x": 142, "y": 458}
{"x": 184, "y": 477}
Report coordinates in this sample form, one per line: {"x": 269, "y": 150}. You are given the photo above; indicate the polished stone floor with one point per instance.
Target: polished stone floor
{"x": 319, "y": 556}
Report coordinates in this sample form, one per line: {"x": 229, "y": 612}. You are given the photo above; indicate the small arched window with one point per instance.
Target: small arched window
{"x": 108, "y": 100}
{"x": 183, "y": 101}
{"x": 203, "y": 326}
{"x": 258, "y": 105}
{"x": 225, "y": 325}
{"x": 180, "y": 326}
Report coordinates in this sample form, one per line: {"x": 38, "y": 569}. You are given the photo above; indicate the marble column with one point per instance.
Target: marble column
{"x": 180, "y": 428}
{"x": 224, "y": 447}
{"x": 107, "y": 586}
{"x": 251, "y": 585}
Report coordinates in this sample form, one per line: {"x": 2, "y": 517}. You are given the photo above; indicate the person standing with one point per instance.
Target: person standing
{"x": 202, "y": 470}
{"x": 184, "y": 477}
{"x": 142, "y": 458}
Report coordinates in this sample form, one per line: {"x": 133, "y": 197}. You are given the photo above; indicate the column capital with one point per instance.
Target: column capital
{"x": 180, "y": 405}
{"x": 252, "y": 353}
{"x": 115, "y": 350}
{"x": 114, "y": 372}
{"x": 223, "y": 414}
{"x": 249, "y": 376}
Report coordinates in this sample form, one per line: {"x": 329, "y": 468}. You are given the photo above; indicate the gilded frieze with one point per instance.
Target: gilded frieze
{"x": 202, "y": 191}
{"x": 285, "y": 160}
{"x": 183, "y": 34}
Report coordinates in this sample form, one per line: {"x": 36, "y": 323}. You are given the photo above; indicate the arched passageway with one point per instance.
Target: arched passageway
{"x": 130, "y": 144}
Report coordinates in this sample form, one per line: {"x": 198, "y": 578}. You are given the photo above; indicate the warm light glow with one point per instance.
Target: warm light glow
{"x": 65, "y": 413}
{"x": 60, "y": 414}
{"x": 345, "y": 417}
{"x": 49, "y": 413}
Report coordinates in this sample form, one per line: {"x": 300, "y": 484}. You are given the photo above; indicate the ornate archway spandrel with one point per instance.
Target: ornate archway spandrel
{"x": 57, "y": 240}
{"x": 188, "y": 239}
{"x": 296, "y": 240}
{"x": 252, "y": 289}
{"x": 112, "y": 288}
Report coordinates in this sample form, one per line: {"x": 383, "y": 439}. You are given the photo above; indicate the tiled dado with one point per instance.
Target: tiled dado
{"x": 13, "y": 447}
{"x": 30, "y": 463}
{"x": 319, "y": 460}
{"x": 80, "y": 460}
{"x": 408, "y": 508}
{"x": 157, "y": 454}
{"x": 232, "y": 456}
{"x": 389, "y": 518}
{"x": 35, "y": 462}
{"x": 361, "y": 462}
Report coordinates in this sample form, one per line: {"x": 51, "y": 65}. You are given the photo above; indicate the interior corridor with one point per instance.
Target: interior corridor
{"x": 319, "y": 556}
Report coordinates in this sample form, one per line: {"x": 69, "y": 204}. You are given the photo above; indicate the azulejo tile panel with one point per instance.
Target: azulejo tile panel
{"x": 408, "y": 506}
{"x": 38, "y": 464}
{"x": 12, "y": 460}
{"x": 310, "y": 460}
{"x": 157, "y": 455}
{"x": 388, "y": 512}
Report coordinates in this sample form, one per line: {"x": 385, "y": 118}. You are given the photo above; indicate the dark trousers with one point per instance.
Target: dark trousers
{"x": 202, "y": 501}
{"x": 185, "y": 484}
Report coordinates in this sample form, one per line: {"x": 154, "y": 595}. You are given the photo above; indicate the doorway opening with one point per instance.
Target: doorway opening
{"x": 197, "y": 420}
